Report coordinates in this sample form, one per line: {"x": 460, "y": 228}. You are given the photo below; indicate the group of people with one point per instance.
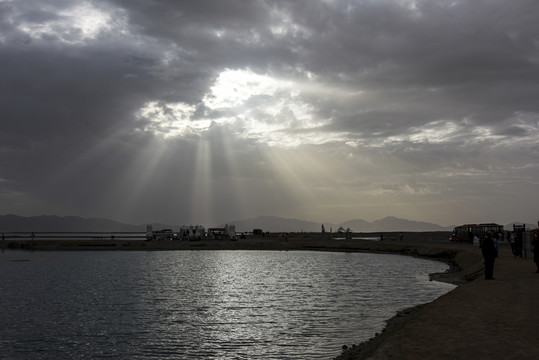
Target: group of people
{"x": 489, "y": 250}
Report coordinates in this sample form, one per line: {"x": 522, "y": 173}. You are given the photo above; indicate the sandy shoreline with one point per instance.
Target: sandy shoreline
{"x": 479, "y": 319}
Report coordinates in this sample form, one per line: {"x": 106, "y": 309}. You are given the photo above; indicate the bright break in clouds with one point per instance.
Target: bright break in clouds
{"x": 324, "y": 110}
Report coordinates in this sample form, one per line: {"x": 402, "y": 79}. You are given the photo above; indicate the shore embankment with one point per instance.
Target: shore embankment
{"x": 480, "y": 319}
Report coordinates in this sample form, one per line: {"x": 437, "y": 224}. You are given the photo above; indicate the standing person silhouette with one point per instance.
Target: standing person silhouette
{"x": 535, "y": 245}
{"x": 488, "y": 249}
{"x": 476, "y": 242}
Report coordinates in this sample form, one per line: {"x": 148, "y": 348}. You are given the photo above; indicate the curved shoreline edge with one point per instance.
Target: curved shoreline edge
{"x": 465, "y": 264}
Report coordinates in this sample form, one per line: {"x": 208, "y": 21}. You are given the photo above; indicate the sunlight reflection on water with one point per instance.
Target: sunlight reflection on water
{"x": 203, "y": 304}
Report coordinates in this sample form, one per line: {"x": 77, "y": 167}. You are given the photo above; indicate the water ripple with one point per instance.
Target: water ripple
{"x": 203, "y": 304}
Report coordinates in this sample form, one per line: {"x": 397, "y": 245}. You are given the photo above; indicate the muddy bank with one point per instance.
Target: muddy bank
{"x": 480, "y": 319}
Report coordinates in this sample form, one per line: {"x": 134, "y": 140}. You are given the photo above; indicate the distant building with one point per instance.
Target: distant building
{"x": 191, "y": 232}
{"x": 227, "y": 232}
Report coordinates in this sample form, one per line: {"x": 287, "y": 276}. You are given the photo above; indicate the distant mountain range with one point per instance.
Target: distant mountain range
{"x": 52, "y": 223}
{"x": 275, "y": 224}
{"x": 390, "y": 223}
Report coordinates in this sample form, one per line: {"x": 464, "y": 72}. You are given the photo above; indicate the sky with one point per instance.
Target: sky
{"x": 209, "y": 111}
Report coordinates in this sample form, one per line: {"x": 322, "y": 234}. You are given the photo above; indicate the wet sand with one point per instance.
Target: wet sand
{"x": 480, "y": 319}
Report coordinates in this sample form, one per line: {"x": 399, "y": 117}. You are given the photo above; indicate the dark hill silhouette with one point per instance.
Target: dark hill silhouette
{"x": 276, "y": 224}
{"x": 391, "y": 223}
{"x": 52, "y": 223}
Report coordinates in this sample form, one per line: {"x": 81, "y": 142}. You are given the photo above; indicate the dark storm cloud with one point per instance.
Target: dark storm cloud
{"x": 431, "y": 87}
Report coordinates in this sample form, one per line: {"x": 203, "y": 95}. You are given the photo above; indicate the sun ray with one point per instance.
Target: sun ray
{"x": 234, "y": 178}
{"x": 201, "y": 193}
{"x": 139, "y": 175}
{"x": 283, "y": 164}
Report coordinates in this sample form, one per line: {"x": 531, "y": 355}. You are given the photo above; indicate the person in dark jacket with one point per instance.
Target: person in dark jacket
{"x": 535, "y": 245}
{"x": 489, "y": 251}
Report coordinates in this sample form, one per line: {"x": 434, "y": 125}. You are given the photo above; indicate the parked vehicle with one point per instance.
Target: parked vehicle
{"x": 164, "y": 234}
{"x": 465, "y": 233}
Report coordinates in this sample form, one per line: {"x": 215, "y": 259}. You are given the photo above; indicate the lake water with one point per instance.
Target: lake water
{"x": 202, "y": 304}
